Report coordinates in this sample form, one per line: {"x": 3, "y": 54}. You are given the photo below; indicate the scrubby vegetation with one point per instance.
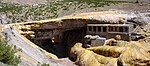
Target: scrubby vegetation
{"x": 45, "y": 64}
{"x": 52, "y": 9}
{"x": 7, "y": 54}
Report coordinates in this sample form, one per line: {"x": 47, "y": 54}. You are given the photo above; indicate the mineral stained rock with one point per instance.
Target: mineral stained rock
{"x": 127, "y": 54}
{"x": 86, "y": 57}
{"x": 63, "y": 33}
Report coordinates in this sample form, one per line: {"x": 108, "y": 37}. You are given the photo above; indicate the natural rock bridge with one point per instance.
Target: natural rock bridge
{"x": 57, "y": 36}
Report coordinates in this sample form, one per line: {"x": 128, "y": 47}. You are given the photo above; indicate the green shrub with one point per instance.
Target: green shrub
{"x": 45, "y": 64}
{"x": 7, "y": 53}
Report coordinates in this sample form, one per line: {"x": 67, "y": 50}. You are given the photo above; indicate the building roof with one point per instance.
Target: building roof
{"x": 108, "y": 24}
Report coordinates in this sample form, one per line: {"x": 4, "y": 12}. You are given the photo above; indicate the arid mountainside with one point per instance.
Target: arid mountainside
{"x": 43, "y": 1}
{"x": 12, "y": 12}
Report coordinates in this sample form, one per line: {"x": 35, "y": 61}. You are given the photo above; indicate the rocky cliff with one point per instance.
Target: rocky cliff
{"x": 57, "y": 36}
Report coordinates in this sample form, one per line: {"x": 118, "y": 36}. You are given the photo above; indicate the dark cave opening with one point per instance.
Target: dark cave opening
{"x": 62, "y": 49}
{"x": 71, "y": 37}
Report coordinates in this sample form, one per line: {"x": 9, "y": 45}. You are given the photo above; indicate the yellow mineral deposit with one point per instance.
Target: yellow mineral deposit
{"x": 132, "y": 54}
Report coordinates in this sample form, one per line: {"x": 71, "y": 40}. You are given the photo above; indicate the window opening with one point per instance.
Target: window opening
{"x": 104, "y": 29}
{"x": 120, "y": 29}
{"x": 126, "y": 29}
{"x": 99, "y": 29}
{"x": 116, "y": 29}
{"x": 134, "y": 26}
{"x": 94, "y": 28}
{"x": 90, "y": 28}
{"x": 110, "y": 28}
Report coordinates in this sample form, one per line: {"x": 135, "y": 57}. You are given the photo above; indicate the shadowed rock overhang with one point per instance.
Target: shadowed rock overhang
{"x": 63, "y": 32}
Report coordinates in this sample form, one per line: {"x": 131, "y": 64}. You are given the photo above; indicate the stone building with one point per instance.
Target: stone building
{"x": 110, "y": 30}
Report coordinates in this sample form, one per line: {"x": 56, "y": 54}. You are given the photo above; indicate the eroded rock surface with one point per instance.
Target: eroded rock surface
{"x": 59, "y": 36}
{"x": 129, "y": 54}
